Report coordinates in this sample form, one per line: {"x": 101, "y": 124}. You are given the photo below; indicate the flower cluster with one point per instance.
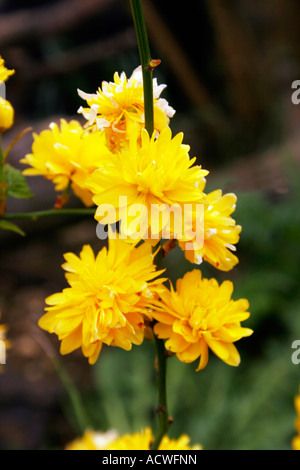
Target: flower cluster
{"x": 6, "y": 122}
{"x": 150, "y": 193}
{"x": 110, "y": 440}
{"x": 111, "y": 160}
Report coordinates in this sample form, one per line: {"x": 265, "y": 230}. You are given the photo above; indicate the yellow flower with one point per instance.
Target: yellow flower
{"x": 137, "y": 441}
{"x": 183, "y": 443}
{"x": 200, "y": 315}
{"x": 150, "y": 180}
{"x": 220, "y": 233}
{"x": 143, "y": 440}
{"x": 106, "y": 301}
{"x": 122, "y": 101}
{"x": 4, "y": 72}
{"x": 67, "y": 154}
{"x": 6, "y": 115}
{"x": 92, "y": 440}
{"x": 296, "y": 439}
{"x": 296, "y": 443}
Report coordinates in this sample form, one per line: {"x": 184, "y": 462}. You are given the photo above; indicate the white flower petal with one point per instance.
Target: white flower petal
{"x": 230, "y": 246}
{"x": 85, "y": 114}
{"x": 86, "y": 96}
{"x": 102, "y": 123}
{"x": 157, "y": 89}
{"x": 164, "y": 106}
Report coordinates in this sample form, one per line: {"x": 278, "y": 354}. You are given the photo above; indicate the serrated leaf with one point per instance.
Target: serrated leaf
{"x": 6, "y": 225}
{"x": 17, "y": 184}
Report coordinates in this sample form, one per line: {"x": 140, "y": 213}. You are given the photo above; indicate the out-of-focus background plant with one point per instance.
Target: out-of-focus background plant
{"x": 229, "y": 67}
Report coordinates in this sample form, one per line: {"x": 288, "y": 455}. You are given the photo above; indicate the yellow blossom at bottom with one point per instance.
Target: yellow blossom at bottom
{"x": 198, "y": 316}
{"x": 296, "y": 443}
{"x": 137, "y": 441}
{"x": 92, "y": 440}
{"x": 106, "y": 300}
{"x": 182, "y": 443}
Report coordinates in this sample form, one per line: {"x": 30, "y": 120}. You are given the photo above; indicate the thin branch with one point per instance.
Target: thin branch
{"x": 162, "y": 409}
{"x": 145, "y": 57}
{"x": 35, "y": 215}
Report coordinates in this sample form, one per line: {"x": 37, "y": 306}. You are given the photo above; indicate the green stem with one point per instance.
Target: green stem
{"x": 145, "y": 57}
{"x": 48, "y": 213}
{"x": 162, "y": 392}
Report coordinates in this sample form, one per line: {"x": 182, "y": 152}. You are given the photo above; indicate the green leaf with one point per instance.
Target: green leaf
{"x": 5, "y": 225}
{"x": 17, "y": 184}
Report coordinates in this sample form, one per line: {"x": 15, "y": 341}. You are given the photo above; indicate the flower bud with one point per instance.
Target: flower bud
{"x": 6, "y": 115}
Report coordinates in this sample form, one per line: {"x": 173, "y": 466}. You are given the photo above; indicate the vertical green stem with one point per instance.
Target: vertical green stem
{"x": 145, "y": 57}
{"x": 162, "y": 392}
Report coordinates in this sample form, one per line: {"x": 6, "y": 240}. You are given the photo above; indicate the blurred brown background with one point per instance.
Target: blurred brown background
{"x": 229, "y": 66}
